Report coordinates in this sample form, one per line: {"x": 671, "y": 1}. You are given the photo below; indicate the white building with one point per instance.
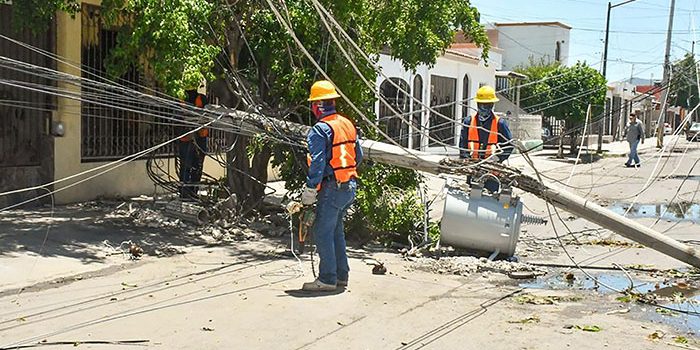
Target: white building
{"x": 522, "y": 42}
{"x": 448, "y": 87}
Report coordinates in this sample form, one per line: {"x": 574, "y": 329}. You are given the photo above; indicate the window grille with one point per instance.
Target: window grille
{"x": 110, "y": 133}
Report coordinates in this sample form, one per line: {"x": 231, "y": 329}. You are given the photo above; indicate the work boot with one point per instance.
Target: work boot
{"x": 318, "y": 286}
{"x": 342, "y": 283}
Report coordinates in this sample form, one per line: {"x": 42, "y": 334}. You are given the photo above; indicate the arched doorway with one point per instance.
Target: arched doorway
{"x": 393, "y": 124}
{"x": 417, "y": 116}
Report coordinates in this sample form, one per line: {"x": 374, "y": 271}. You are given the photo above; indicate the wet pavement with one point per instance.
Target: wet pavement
{"x": 679, "y": 211}
{"x": 678, "y": 300}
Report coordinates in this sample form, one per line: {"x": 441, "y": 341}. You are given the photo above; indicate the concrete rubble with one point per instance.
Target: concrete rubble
{"x": 467, "y": 265}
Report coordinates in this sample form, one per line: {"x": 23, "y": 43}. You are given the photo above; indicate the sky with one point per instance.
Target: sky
{"x": 637, "y": 30}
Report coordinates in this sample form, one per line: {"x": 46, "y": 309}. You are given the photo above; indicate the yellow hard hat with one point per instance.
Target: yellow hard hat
{"x": 322, "y": 90}
{"x": 486, "y": 94}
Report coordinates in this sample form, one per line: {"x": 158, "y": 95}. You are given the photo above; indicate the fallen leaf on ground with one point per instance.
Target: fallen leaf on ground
{"x": 531, "y": 319}
{"x": 680, "y": 339}
{"x": 656, "y": 335}
{"x": 544, "y": 299}
{"x": 666, "y": 312}
{"x": 589, "y": 328}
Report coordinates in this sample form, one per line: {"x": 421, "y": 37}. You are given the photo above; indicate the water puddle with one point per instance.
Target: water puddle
{"x": 617, "y": 281}
{"x": 680, "y": 211}
{"x": 679, "y": 303}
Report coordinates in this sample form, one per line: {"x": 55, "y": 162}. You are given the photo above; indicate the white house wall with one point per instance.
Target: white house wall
{"x": 519, "y": 43}
{"x": 452, "y": 66}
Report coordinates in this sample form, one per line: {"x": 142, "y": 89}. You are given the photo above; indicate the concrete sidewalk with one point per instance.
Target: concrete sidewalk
{"x": 622, "y": 148}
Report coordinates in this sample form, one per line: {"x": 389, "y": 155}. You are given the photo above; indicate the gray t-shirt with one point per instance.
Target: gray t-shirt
{"x": 634, "y": 131}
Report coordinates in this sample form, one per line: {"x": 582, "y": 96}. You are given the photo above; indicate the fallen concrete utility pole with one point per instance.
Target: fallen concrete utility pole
{"x": 435, "y": 164}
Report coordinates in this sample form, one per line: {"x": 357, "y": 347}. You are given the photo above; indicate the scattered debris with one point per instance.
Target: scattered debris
{"x": 135, "y": 250}
{"x": 569, "y": 276}
{"x": 585, "y": 328}
{"x": 620, "y": 311}
{"x": 466, "y": 265}
{"x": 615, "y": 243}
{"x": 666, "y": 312}
{"x": 531, "y": 319}
{"x": 528, "y": 298}
{"x": 129, "y": 285}
{"x": 656, "y": 336}
{"x": 208, "y": 329}
{"x": 378, "y": 269}
{"x": 680, "y": 339}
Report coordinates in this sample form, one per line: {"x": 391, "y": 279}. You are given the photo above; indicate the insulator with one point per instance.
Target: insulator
{"x": 532, "y": 220}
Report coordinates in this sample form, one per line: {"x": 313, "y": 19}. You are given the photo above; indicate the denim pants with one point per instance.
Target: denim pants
{"x": 191, "y": 163}
{"x": 633, "y": 156}
{"x": 333, "y": 202}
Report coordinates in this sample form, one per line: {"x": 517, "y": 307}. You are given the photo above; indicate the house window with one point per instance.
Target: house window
{"x": 465, "y": 96}
{"x": 442, "y": 100}
{"x": 395, "y": 125}
{"x": 417, "y": 117}
{"x": 108, "y": 132}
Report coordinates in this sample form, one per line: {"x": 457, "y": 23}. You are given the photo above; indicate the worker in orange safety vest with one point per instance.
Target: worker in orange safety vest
{"x": 486, "y": 136}
{"x": 334, "y": 154}
{"x": 192, "y": 149}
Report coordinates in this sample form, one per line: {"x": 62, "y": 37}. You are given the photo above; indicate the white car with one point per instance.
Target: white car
{"x": 693, "y": 132}
{"x": 667, "y": 129}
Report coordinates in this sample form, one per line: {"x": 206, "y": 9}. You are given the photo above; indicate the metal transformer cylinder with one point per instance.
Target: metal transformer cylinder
{"x": 481, "y": 221}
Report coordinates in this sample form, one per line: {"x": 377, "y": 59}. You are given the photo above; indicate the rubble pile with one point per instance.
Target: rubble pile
{"x": 225, "y": 226}
{"x": 142, "y": 216}
{"x": 466, "y": 265}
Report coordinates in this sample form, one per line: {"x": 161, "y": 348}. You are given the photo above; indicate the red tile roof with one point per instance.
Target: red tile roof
{"x": 649, "y": 89}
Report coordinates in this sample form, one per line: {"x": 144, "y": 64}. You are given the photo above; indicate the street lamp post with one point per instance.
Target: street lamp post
{"x": 605, "y": 64}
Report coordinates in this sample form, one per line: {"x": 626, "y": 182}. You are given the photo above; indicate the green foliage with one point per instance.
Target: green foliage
{"x": 535, "y": 95}
{"x": 388, "y": 207}
{"x": 179, "y": 42}
{"x": 39, "y": 13}
{"x": 170, "y": 40}
{"x": 563, "y": 92}
{"x": 684, "y": 83}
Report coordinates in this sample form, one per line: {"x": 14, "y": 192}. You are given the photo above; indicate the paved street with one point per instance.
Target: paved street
{"x": 244, "y": 294}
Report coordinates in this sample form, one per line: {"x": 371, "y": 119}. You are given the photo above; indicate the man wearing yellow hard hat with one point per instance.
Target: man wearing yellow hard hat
{"x": 334, "y": 153}
{"x": 485, "y": 135}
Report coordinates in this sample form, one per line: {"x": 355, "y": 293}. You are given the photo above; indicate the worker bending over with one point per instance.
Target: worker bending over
{"x": 334, "y": 153}
{"x": 485, "y": 135}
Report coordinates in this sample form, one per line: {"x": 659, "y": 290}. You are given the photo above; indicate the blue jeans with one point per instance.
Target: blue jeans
{"x": 333, "y": 202}
{"x": 191, "y": 165}
{"x": 633, "y": 156}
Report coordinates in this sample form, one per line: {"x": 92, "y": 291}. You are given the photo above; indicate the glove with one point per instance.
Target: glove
{"x": 308, "y": 196}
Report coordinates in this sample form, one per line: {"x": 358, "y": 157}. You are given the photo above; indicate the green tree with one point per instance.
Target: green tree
{"x": 532, "y": 93}
{"x": 240, "y": 47}
{"x": 684, "y": 83}
{"x": 565, "y": 93}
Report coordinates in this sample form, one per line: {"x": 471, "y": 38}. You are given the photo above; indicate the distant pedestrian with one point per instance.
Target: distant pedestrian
{"x": 634, "y": 133}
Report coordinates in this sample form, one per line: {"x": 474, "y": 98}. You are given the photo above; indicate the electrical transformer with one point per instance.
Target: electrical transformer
{"x": 475, "y": 218}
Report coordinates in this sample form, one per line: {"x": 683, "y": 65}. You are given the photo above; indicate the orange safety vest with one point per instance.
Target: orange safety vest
{"x": 473, "y": 143}
{"x": 343, "y": 160}
{"x": 203, "y": 132}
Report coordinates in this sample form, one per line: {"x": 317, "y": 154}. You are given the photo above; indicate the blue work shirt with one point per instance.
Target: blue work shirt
{"x": 320, "y": 142}
{"x": 504, "y": 137}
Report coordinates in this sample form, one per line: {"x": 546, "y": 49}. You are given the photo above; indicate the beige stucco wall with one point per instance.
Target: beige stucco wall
{"x": 127, "y": 180}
